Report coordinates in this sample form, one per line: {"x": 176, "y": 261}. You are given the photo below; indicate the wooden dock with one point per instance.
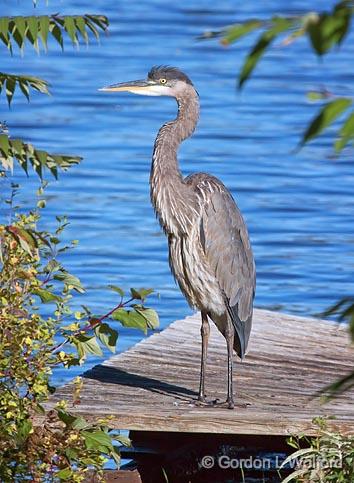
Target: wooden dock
{"x": 153, "y": 386}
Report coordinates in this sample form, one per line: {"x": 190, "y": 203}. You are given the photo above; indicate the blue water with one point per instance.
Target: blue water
{"x": 298, "y": 206}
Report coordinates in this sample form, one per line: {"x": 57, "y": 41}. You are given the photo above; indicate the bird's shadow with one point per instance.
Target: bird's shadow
{"x": 113, "y": 375}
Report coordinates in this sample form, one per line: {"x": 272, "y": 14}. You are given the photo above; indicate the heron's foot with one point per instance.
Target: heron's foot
{"x": 228, "y": 404}
{"x": 202, "y": 401}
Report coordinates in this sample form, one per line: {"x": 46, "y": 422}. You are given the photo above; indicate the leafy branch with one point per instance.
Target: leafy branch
{"x": 26, "y": 154}
{"x": 85, "y": 338}
{"x": 326, "y": 116}
{"x": 324, "y": 30}
{"x": 11, "y": 81}
{"x": 65, "y": 446}
{"x": 88, "y": 330}
{"x": 37, "y": 29}
{"x": 326, "y": 457}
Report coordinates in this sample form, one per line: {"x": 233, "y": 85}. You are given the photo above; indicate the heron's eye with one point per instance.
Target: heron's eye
{"x": 163, "y": 81}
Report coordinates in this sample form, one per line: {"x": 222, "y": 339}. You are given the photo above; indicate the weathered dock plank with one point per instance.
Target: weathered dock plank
{"x": 153, "y": 386}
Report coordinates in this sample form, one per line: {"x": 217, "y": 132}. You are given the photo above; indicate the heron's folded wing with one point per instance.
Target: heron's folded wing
{"x": 226, "y": 245}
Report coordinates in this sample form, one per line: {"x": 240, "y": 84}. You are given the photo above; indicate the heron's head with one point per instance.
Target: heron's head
{"x": 160, "y": 81}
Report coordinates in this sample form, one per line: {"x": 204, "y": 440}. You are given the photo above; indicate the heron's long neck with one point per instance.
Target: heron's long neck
{"x": 171, "y": 197}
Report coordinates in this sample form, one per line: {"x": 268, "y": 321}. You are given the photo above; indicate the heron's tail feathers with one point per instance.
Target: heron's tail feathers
{"x": 242, "y": 331}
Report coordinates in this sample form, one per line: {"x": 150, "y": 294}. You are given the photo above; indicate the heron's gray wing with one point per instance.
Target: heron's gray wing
{"x": 225, "y": 241}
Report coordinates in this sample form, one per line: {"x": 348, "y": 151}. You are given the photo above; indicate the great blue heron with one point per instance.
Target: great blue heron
{"x": 209, "y": 249}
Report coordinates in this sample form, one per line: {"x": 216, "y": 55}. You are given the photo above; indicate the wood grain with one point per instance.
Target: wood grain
{"x": 153, "y": 386}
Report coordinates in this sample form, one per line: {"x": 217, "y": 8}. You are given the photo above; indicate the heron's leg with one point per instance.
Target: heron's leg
{"x": 205, "y": 331}
{"x": 229, "y": 336}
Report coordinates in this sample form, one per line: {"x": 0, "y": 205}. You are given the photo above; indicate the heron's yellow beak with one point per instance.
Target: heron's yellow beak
{"x": 141, "y": 86}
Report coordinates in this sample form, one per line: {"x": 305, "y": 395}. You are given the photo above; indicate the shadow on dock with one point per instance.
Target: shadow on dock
{"x": 112, "y": 375}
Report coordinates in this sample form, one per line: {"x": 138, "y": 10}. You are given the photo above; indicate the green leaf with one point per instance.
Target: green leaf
{"x": 19, "y": 31}
{"x": 107, "y": 336}
{"x": 64, "y": 474}
{"x": 115, "y": 454}
{"x": 81, "y": 26}
{"x": 46, "y": 296}
{"x": 117, "y": 289}
{"x": 69, "y": 280}
{"x": 4, "y": 32}
{"x": 56, "y": 33}
{"x": 98, "y": 440}
{"x": 130, "y": 319}
{"x": 24, "y": 82}
{"x": 70, "y": 27}
{"x": 24, "y": 88}
{"x": 234, "y": 32}
{"x": 10, "y": 89}
{"x": 80, "y": 423}
{"x": 44, "y": 23}
{"x": 24, "y": 429}
{"x": 87, "y": 345}
{"x": 72, "y": 454}
{"x": 67, "y": 418}
{"x": 326, "y": 30}
{"x": 141, "y": 294}
{"x": 150, "y": 315}
{"x": 124, "y": 440}
{"x": 279, "y": 25}
{"x": 42, "y": 156}
{"x": 346, "y": 133}
{"x": 5, "y": 145}
{"x": 32, "y": 31}
{"x": 100, "y": 20}
{"x": 318, "y": 95}
{"x": 91, "y": 346}
{"x": 327, "y": 115}
{"x": 91, "y": 26}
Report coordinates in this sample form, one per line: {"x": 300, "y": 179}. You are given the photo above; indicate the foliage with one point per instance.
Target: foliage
{"x": 327, "y": 457}
{"x": 35, "y": 295}
{"x": 18, "y": 30}
{"x": 36, "y": 31}
{"x": 11, "y": 81}
{"x": 343, "y": 310}
{"x": 38, "y": 329}
{"x": 324, "y": 30}
{"x": 26, "y": 154}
